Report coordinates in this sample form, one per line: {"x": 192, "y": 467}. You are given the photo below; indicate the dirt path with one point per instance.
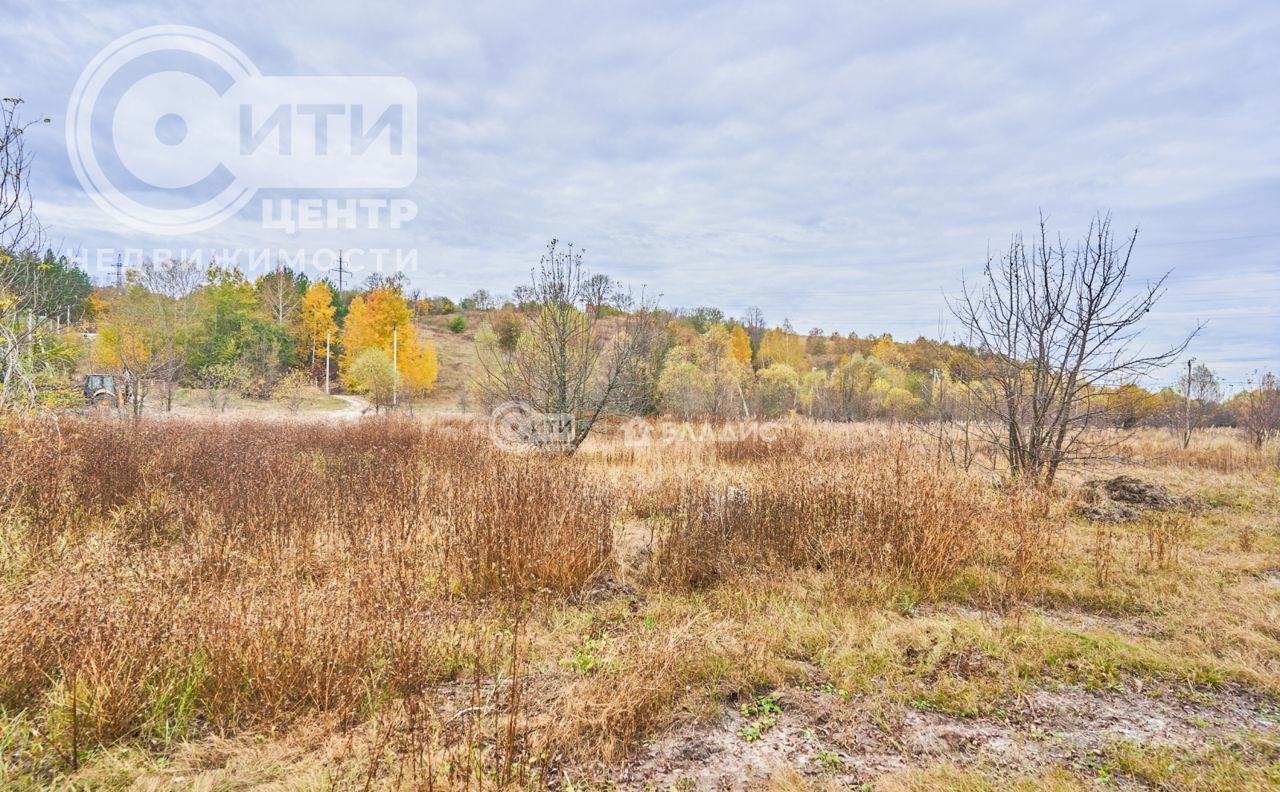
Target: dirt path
{"x": 355, "y": 408}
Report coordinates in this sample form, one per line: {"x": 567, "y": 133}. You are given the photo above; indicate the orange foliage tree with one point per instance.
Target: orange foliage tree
{"x": 377, "y": 320}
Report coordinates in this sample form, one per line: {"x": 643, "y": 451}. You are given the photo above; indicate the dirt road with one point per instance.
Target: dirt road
{"x": 355, "y": 408}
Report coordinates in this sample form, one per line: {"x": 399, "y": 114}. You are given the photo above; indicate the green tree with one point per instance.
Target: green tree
{"x": 683, "y": 388}
{"x": 776, "y": 390}
{"x": 231, "y": 328}
{"x": 372, "y": 374}
{"x": 50, "y": 286}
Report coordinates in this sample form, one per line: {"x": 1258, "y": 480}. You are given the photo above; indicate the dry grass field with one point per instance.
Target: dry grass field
{"x": 395, "y": 604}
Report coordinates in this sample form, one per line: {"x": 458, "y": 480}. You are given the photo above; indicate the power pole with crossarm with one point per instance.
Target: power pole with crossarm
{"x": 338, "y": 269}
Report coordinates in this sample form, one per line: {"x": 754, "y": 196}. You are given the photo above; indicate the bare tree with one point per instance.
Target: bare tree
{"x": 570, "y": 361}
{"x": 1056, "y": 328}
{"x": 19, "y": 228}
{"x": 479, "y": 300}
{"x": 600, "y": 289}
{"x": 20, "y": 235}
{"x": 17, "y": 385}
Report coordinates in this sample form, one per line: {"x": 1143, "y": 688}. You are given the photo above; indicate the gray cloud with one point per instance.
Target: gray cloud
{"x": 836, "y": 164}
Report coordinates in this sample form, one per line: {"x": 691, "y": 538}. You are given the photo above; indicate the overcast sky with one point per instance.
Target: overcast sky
{"x": 839, "y": 165}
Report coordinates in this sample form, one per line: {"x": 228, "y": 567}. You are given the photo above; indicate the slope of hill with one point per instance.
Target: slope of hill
{"x": 457, "y": 353}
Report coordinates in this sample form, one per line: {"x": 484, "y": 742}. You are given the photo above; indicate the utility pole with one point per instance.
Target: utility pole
{"x": 119, "y": 271}
{"x": 327, "y": 335}
{"x": 338, "y": 269}
{"x": 395, "y": 364}
{"x": 936, "y": 374}
{"x": 1186, "y": 431}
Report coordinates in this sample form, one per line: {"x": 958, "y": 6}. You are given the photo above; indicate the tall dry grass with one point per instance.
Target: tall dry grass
{"x": 1222, "y": 450}
{"x": 874, "y": 510}
{"x": 168, "y": 579}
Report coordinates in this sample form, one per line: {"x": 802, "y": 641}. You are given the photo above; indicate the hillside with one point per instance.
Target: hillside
{"x": 457, "y": 354}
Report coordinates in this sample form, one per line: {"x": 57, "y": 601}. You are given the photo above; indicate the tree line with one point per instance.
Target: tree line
{"x": 1051, "y": 357}
{"x": 1049, "y": 350}
{"x": 554, "y": 342}
{"x": 175, "y": 323}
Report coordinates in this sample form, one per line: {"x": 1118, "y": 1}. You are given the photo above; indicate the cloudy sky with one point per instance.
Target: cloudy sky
{"x": 838, "y": 165}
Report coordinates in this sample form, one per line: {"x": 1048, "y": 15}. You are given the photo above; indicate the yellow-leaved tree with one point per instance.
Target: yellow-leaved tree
{"x": 740, "y": 343}
{"x": 888, "y": 352}
{"x": 381, "y": 319}
{"x": 134, "y": 340}
{"x": 317, "y": 318}
{"x": 1130, "y": 404}
{"x": 782, "y": 346}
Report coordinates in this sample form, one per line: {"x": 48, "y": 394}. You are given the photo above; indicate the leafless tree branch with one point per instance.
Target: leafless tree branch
{"x": 1056, "y": 328}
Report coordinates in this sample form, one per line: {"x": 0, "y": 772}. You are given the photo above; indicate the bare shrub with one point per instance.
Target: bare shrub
{"x": 1260, "y": 410}
{"x": 568, "y": 360}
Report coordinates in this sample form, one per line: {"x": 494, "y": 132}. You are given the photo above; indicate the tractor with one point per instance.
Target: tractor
{"x": 104, "y": 390}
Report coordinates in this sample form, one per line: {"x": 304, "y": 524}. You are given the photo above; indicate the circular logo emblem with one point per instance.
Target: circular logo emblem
{"x": 513, "y": 426}
{"x": 145, "y": 125}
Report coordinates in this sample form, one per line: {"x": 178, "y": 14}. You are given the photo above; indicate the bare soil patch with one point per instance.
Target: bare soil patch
{"x": 817, "y": 734}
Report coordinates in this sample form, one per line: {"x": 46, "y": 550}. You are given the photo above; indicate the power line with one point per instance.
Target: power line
{"x": 1207, "y": 240}
{"x": 338, "y": 269}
